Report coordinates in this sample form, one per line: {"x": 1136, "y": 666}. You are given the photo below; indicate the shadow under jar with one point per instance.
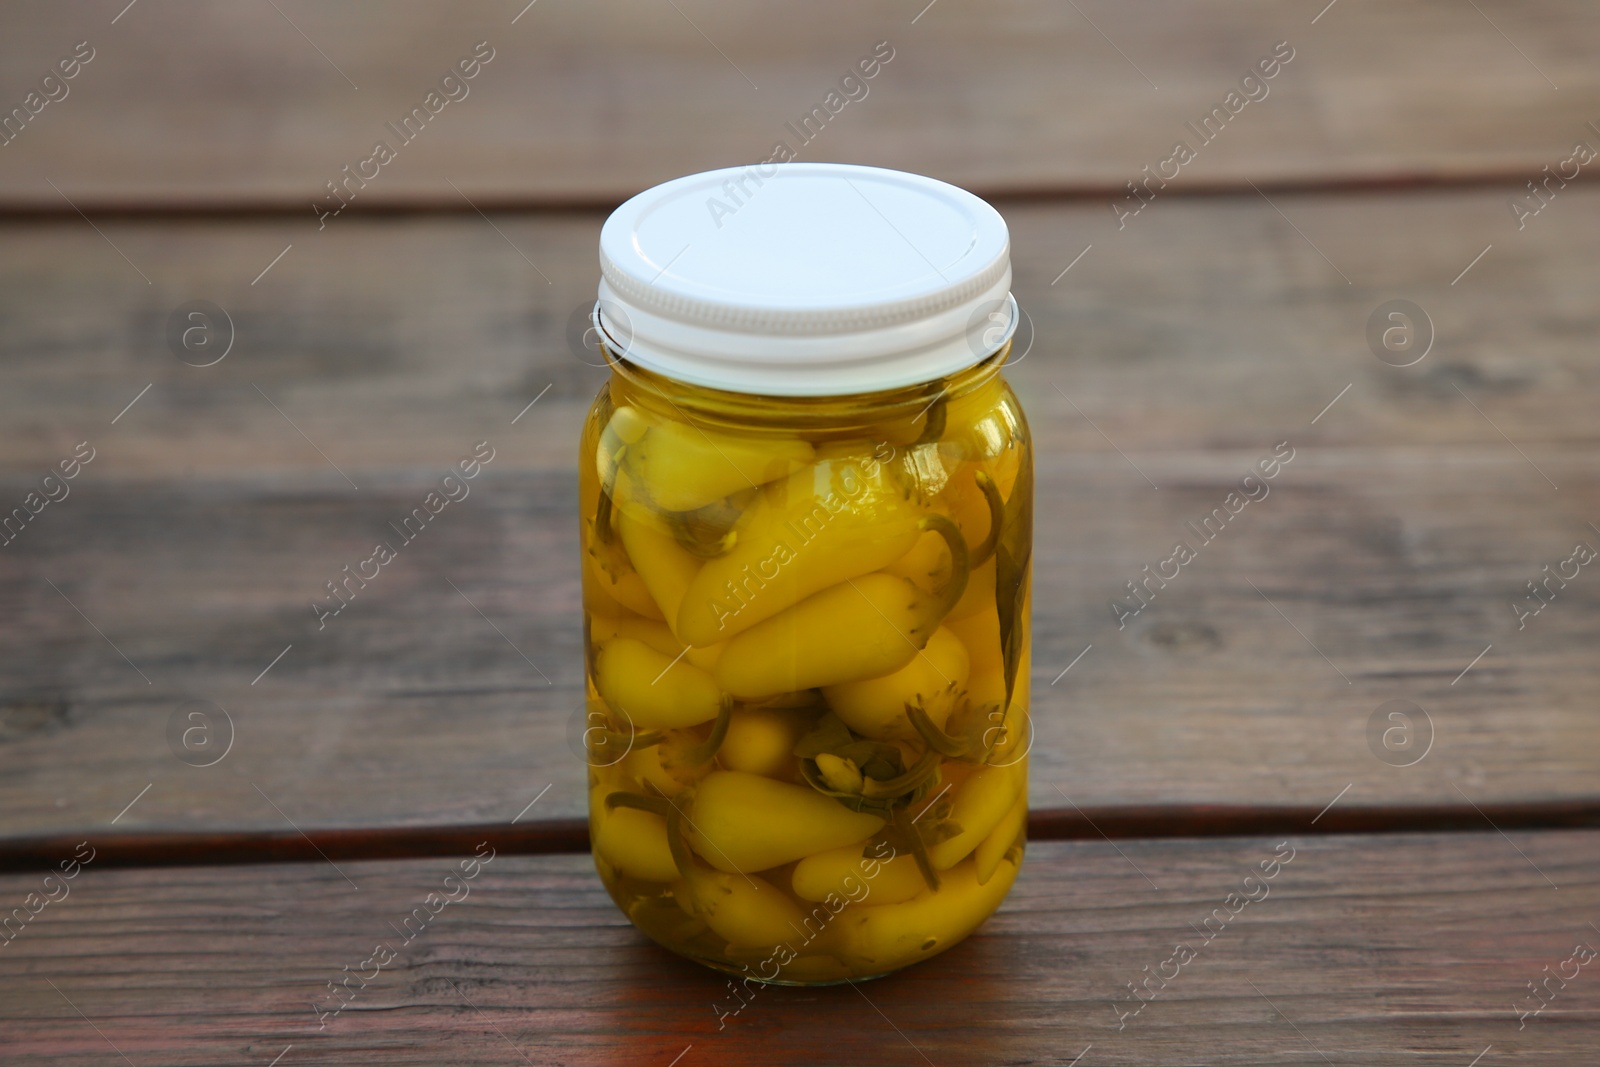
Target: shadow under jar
{"x": 806, "y": 500}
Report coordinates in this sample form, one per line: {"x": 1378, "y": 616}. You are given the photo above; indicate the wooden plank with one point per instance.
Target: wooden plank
{"x": 1196, "y": 339}
{"x": 225, "y": 105}
{"x": 1358, "y": 949}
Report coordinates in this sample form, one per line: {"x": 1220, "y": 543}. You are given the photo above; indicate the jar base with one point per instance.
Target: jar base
{"x": 793, "y": 983}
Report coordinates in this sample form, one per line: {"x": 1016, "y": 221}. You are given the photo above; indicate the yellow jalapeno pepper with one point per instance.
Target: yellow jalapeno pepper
{"x": 979, "y": 595}
{"x": 980, "y": 633}
{"x": 973, "y": 504}
{"x": 1007, "y": 832}
{"x": 664, "y": 567}
{"x": 634, "y": 842}
{"x": 983, "y": 800}
{"x": 665, "y": 919}
{"x": 857, "y": 629}
{"x": 669, "y": 761}
{"x": 986, "y": 727}
{"x": 925, "y": 563}
{"x": 604, "y": 626}
{"x": 652, "y": 691}
{"x": 931, "y": 681}
{"x": 883, "y": 937}
{"x": 762, "y": 740}
{"x": 682, "y": 467}
{"x": 831, "y": 521}
{"x": 610, "y": 583}
{"x": 860, "y": 628}
{"x": 660, "y": 766}
{"x": 625, "y": 426}
{"x": 843, "y": 871}
{"x": 745, "y": 910}
{"x": 742, "y": 822}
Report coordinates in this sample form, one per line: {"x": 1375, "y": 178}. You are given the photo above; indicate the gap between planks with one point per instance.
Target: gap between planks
{"x": 240, "y": 208}
{"x": 176, "y": 848}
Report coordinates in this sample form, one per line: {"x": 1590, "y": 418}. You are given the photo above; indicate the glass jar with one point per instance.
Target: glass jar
{"x": 806, "y": 606}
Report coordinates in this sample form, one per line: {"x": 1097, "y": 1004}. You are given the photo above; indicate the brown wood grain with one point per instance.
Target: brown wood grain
{"x": 1192, "y": 341}
{"x": 202, "y": 106}
{"x": 1376, "y": 949}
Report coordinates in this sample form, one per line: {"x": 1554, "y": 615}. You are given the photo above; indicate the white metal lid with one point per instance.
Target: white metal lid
{"x": 805, "y": 279}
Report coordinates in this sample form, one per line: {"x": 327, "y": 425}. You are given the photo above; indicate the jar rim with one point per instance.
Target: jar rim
{"x": 730, "y": 409}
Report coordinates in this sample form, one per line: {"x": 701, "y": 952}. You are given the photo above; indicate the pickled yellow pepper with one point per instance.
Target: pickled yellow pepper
{"x": 681, "y": 467}
{"x": 1005, "y": 834}
{"x": 742, "y": 822}
{"x": 762, "y": 740}
{"x": 634, "y": 842}
{"x": 931, "y": 681}
{"x": 650, "y": 689}
{"x": 878, "y": 938}
{"x": 611, "y": 582}
{"x": 979, "y": 805}
{"x": 830, "y": 521}
{"x": 859, "y": 628}
{"x": 747, "y": 911}
{"x": 664, "y": 567}
{"x": 890, "y": 882}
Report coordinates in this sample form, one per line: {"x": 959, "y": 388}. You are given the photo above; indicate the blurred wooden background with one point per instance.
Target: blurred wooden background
{"x": 1228, "y": 315}
{"x": 191, "y": 105}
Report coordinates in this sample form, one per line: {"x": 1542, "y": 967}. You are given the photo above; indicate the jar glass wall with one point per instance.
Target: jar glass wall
{"x": 806, "y": 624}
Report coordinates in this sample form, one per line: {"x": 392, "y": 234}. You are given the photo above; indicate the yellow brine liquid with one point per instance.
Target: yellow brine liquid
{"x": 806, "y": 622}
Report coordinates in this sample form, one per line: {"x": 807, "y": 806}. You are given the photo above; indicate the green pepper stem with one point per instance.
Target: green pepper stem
{"x": 680, "y": 851}
{"x": 919, "y": 773}
{"x": 933, "y": 427}
{"x": 602, "y": 519}
{"x": 950, "y": 595}
{"x": 706, "y": 750}
{"x": 997, "y": 511}
{"x": 936, "y": 739}
{"x": 919, "y": 849}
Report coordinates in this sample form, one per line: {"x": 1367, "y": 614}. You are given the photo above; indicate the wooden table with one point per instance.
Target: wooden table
{"x": 262, "y": 799}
